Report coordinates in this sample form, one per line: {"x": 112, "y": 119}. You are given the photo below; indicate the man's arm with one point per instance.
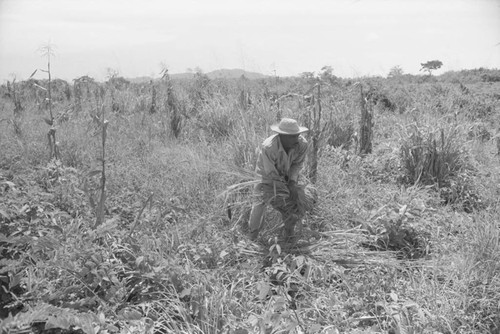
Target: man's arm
{"x": 298, "y": 161}
{"x": 267, "y": 167}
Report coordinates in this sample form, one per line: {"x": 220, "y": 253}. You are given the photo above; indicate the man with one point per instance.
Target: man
{"x": 280, "y": 161}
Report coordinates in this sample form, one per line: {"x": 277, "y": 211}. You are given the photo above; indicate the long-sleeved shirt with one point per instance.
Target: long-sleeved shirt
{"x": 274, "y": 164}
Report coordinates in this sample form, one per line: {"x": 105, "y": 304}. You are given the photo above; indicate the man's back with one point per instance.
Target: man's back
{"x": 275, "y": 164}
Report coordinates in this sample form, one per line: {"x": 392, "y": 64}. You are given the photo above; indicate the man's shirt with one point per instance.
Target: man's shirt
{"x": 274, "y": 164}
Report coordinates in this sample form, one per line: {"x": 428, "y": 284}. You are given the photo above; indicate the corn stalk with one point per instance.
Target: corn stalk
{"x": 102, "y": 186}
{"x": 152, "y": 109}
{"x": 315, "y": 132}
{"x": 48, "y": 51}
{"x": 18, "y": 108}
{"x": 173, "y": 107}
{"x": 497, "y": 139}
{"x": 365, "y": 125}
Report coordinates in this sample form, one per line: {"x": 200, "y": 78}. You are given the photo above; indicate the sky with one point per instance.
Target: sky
{"x": 284, "y": 37}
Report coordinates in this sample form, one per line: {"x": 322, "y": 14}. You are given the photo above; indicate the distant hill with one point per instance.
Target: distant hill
{"x": 234, "y": 74}
{"x": 222, "y": 73}
{"x": 140, "y": 79}
{"x": 217, "y": 74}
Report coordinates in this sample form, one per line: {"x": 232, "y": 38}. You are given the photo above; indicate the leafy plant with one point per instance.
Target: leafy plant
{"x": 394, "y": 232}
{"x": 432, "y": 156}
{"x": 442, "y": 162}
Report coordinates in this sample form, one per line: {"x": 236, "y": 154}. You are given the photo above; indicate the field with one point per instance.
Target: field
{"x": 123, "y": 206}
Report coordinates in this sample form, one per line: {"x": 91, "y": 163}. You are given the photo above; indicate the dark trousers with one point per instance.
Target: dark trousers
{"x": 278, "y": 195}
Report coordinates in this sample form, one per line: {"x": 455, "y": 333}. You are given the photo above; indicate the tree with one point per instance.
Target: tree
{"x": 431, "y": 65}
{"x": 307, "y": 75}
{"x": 112, "y": 73}
{"x": 395, "y": 72}
{"x": 198, "y": 70}
{"x": 327, "y": 74}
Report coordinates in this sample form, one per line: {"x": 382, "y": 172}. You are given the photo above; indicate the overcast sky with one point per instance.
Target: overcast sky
{"x": 355, "y": 37}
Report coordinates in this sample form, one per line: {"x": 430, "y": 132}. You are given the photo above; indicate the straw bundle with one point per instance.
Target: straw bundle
{"x": 278, "y": 195}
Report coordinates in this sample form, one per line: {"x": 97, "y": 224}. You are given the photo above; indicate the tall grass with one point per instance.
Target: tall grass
{"x": 168, "y": 257}
{"x": 433, "y": 155}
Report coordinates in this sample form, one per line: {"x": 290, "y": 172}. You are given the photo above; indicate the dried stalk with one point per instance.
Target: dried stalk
{"x": 102, "y": 197}
{"x": 315, "y": 134}
{"x": 149, "y": 200}
{"x": 365, "y": 125}
{"x": 47, "y": 51}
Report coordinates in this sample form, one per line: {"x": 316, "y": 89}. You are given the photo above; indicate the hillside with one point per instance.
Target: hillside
{"x": 217, "y": 74}
{"x": 222, "y": 74}
{"x": 234, "y": 74}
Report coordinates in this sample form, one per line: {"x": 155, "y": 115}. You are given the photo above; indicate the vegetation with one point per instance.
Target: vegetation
{"x": 395, "y": 72}
{"x": 138, "y": 225}
{"x": 431, "y": 65}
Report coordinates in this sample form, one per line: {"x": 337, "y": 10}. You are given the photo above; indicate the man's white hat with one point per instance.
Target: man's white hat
{"x": 288, "y": 126}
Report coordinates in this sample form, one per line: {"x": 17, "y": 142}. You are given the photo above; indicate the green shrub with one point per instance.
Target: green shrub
{"x": 432, "y": 156}
{"x": 402, "y": 99}
{"x": 341, "y": 135}
{"x": 462, "y": 193}
{"x": 437, "y": 157}
{"x": 217, "y": 120}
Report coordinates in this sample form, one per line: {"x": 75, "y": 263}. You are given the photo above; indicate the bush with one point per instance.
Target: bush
{"x": 217, "y": 120}
{"x": 402, "y": 100}
{"x": 341, "y": 135}
{"x": 490, "y": 77}
{"x": 432, "y": 156}
{"x": 461, "y": 193}
{"x": 441, "y": 161}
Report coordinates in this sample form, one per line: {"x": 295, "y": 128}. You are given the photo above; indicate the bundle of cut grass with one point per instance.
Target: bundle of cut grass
{"x": 280, "y": 191}
{"x": 340, "y": 247}
{"x": 240, "y": 197}
{"x": 275, "y": 193}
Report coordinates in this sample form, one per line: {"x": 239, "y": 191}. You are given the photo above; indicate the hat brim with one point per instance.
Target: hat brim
{"x": 276, "y": 128}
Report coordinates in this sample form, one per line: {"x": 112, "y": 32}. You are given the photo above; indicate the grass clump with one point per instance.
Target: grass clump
{"x": 438, "y": 157}
{"x": 432, "y": 156}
